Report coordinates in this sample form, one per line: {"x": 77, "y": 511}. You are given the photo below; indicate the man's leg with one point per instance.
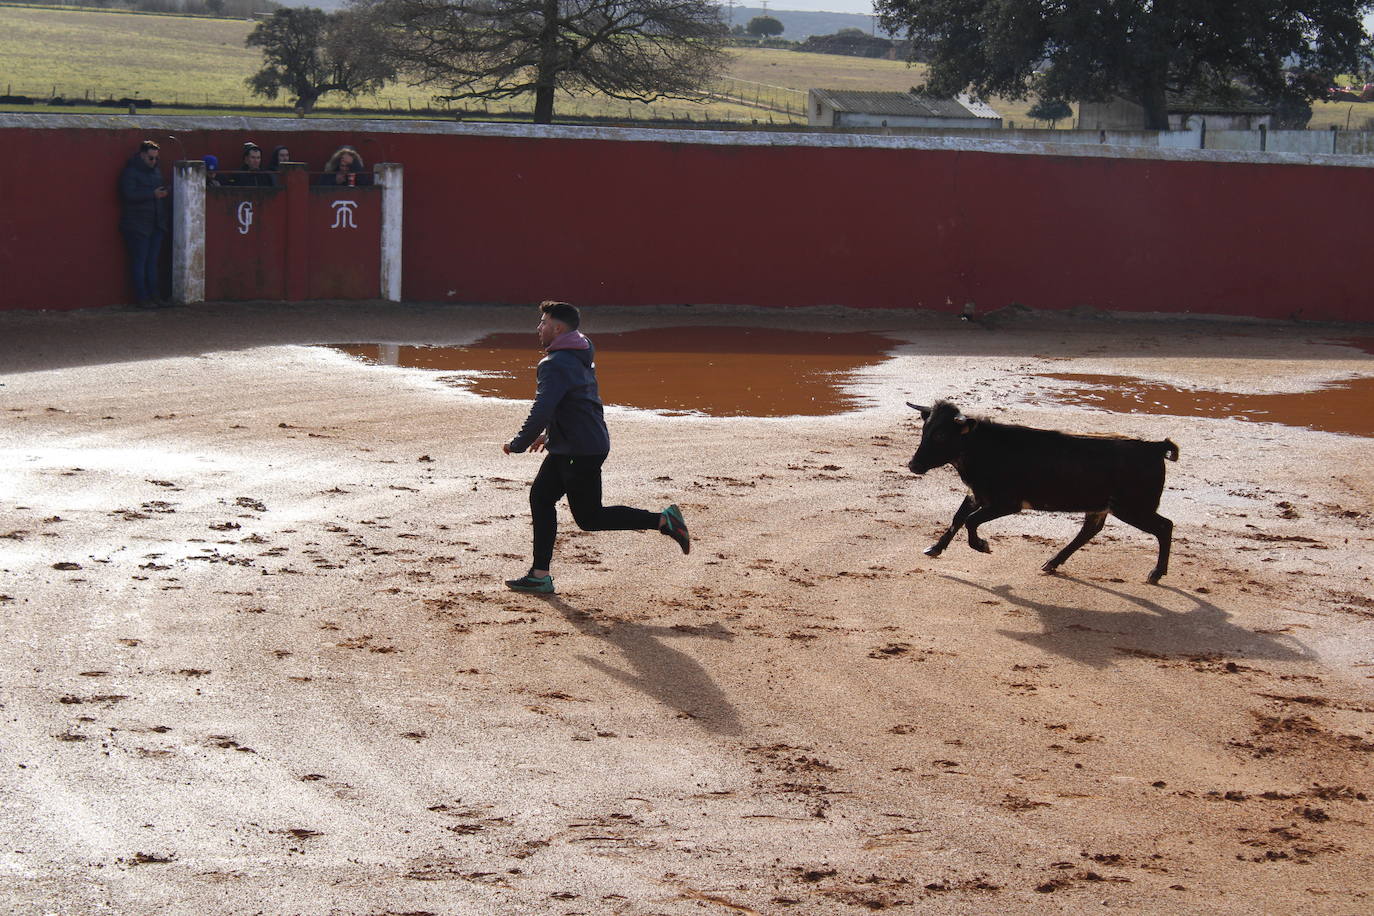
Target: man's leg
{"x": 152, "y": 277}
{"x": 137, "y": 247}
{"x": 582, "y": 481}
{"x": 545, "y": 492}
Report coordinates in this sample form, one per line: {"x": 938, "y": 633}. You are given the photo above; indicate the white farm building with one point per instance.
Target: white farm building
{"x": 851, "y": 108}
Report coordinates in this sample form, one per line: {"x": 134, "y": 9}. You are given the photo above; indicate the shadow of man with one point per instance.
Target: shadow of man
{"x": 657, "y": 670}
{"x": 1097, "y": 636}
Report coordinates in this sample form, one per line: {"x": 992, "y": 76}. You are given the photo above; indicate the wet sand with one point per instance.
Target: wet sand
{"x": 259, "y": 658}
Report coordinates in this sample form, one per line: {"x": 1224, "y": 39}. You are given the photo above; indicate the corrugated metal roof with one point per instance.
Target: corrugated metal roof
{"x": 903, "y": 104}
{"x": 980, "y": 109}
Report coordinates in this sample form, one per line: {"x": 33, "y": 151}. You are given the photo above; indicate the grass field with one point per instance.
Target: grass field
{"x": 203, "y": 62}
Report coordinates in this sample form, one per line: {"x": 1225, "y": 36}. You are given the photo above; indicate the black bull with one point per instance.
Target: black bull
{"x": 1009, "y": 468}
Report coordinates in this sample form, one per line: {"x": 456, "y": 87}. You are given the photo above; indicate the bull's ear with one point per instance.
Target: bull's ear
{"x": 966, "y": 424}
{"x": 925, "y": 411}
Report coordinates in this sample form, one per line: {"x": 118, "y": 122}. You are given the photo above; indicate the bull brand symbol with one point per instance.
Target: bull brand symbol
{"x": 245, "y": 216}
{"x": 343, "y": 214}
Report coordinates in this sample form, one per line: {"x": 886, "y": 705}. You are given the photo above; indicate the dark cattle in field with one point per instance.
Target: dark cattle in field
{"x": 1010, "y": 468}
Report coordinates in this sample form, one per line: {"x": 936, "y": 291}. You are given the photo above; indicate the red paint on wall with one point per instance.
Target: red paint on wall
{"x": 344, "y": 240}
{"x": 601, "y": 221}
{"x": 245, "y": 243}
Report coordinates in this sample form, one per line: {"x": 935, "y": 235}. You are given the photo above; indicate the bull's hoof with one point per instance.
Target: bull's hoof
{"x": 1154, "y": 577}
{"x": 934, "y": 550}
{"x": 980, "y": 545}
{"x": 1050, "y": 569}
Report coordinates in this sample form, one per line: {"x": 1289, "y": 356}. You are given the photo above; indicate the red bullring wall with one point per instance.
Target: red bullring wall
{"x": 631, "y": 217}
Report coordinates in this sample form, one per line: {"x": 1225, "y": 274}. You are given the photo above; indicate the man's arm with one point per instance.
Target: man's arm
{"x": 553, "y": 384}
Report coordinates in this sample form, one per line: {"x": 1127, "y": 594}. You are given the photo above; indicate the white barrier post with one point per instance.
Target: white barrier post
{"x": 188, "y": 231}
{"x": 390, "y": 176}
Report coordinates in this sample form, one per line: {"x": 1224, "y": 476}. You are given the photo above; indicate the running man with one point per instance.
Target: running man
{"x": 566, "y": 419}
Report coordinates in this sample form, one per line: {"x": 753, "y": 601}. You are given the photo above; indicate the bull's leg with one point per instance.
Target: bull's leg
{"x": 985, "y": 514}
{"x": 965, "y": 507}
{"x": 1092, "y": 523}
{"x": 1152, "y": 522}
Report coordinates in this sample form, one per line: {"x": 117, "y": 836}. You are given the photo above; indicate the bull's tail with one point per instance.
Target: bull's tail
{"x": 1170, "y": 449}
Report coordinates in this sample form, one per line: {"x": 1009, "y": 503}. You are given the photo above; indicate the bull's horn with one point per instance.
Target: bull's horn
{"x": 923, "y": 410}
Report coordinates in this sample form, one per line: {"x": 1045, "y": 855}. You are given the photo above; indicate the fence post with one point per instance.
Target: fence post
{"x": 188, "y": 231}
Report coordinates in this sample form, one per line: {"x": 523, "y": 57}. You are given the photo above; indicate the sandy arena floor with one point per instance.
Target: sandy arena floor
{"x": 258, "y": 659}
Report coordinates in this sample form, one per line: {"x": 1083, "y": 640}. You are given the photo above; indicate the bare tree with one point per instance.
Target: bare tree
{"x": 633, "y": 50}
{"x": 308, "y": 52}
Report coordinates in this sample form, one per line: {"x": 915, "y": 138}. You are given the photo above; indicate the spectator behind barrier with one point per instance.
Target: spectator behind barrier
{"x": 280, "y": 154}
{"x": 212, "y": 177}
{"x": 345, "y": 167}
{"x": 251, "y": 173}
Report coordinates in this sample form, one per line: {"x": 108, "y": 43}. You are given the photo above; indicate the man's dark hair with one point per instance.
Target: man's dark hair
{"x": 565, "y": 312}
{"x": 147, "y": 145}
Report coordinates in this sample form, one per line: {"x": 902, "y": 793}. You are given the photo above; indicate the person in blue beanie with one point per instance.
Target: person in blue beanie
{"x": 567, "y": 420}
{"x": 212, "y": 178}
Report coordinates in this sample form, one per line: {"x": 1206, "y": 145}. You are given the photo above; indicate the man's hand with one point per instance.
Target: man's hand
{"x": 536, "y": 446}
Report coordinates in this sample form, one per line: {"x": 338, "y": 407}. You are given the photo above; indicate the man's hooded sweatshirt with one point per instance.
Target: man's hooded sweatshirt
{"x": 566, "y": 402}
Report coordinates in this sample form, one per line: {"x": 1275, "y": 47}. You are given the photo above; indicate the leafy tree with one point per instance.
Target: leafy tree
{"x": 764, "y": 27}
{"x": 1292, "y": 114}
{"x": 632, "y": 50}
{"x": 1139, "y": 49}
{"x": 1050, "y": 110}
{"x": 308, "y": 52}
{"x": 853, "y": 42}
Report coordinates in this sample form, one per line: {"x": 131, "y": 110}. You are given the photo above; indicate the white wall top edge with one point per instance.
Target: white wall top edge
{"x": 159, "y": 122}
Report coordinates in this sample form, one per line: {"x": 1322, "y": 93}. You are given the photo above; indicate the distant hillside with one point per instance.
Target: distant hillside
{"x": 798, "y": 25}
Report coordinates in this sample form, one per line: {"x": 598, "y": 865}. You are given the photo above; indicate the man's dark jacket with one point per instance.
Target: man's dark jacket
{"x": 142, "y": 212}
{"x": 567, "y": 405}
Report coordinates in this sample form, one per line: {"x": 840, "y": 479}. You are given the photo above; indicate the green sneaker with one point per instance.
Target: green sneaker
{"x": 676, "y": 528}
{"x": 539, "y": 585}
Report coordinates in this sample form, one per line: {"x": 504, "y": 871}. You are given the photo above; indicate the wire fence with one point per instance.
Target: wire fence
{"x": 728, "y": 101}
{"x": 779, "y": 99}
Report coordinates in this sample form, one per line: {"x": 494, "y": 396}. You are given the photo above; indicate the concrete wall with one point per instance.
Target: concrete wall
{"x": 498, "y": 213}
{"x": 1298, "y": 142}
{"x": 863, "y": 119}
{"x": 1121, "y": 114}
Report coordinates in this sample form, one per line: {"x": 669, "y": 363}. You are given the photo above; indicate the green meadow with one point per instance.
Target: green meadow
{"x": 202, "y": 62}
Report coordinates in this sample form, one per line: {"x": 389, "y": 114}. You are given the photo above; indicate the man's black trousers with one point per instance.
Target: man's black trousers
{"x": 579, "y": 478}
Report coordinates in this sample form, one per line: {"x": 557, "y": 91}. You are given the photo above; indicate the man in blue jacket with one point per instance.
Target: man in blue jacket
{"x": 566, "y": 418}
{"x": 144, "y": 221}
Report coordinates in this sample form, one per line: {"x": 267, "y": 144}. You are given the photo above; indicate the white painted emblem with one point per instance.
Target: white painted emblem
{"x": 245, "y": 216}
{"x": 343, "y": 214}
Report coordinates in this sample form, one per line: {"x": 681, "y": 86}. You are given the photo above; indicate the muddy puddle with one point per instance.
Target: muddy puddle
{"x": 714, "y": 371}
{"x": 1344, "y": 407}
